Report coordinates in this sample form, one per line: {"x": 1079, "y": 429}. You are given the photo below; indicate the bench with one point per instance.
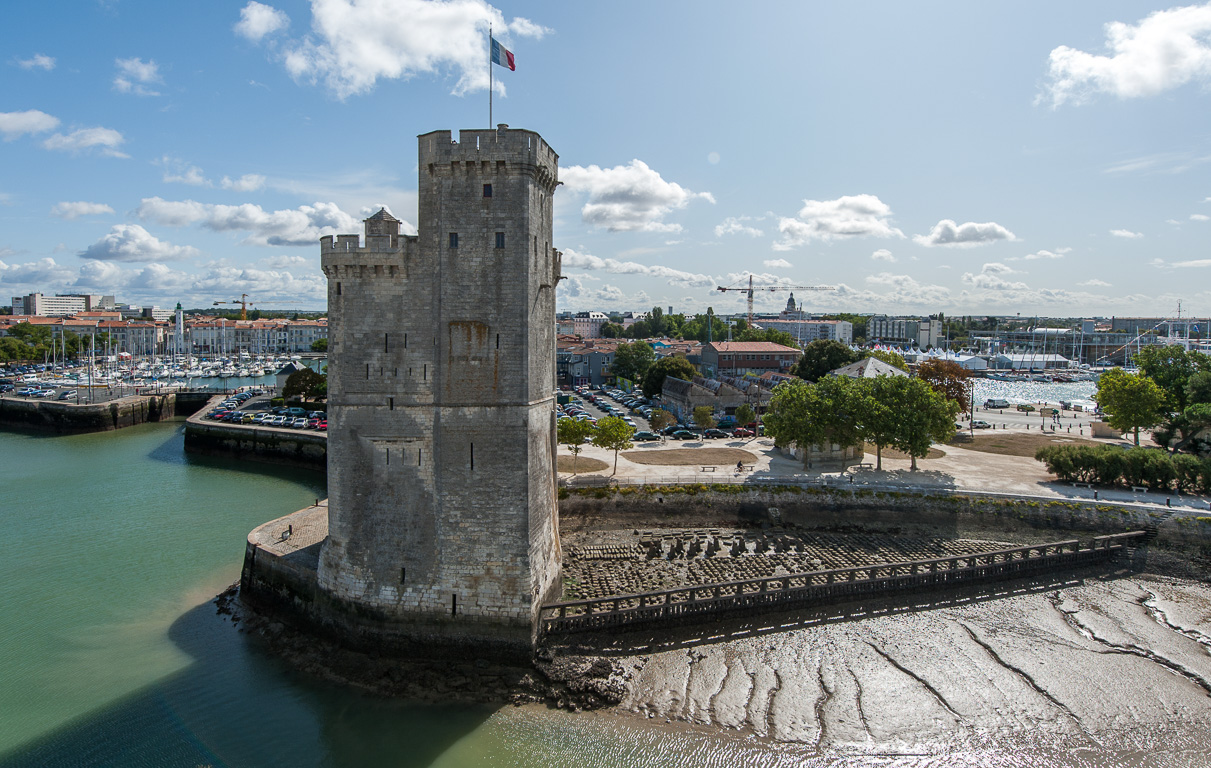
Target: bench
{"x": 708, "y": 469}
{"x": 1082, "y": 485}
{"x": 1139, "y": 489}
{"x": 865, "y": 465}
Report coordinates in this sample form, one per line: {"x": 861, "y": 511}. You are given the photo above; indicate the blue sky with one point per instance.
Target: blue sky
{"x": 1034, "y": 158}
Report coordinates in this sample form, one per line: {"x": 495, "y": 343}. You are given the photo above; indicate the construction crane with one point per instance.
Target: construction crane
{"x": 749, "y": 290}
{"x": 242, "y": 301}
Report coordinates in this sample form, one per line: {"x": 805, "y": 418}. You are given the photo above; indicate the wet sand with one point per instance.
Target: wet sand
{"x": 1109, "y": 667}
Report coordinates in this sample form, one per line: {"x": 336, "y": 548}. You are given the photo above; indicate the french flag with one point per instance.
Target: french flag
{"x": 502, "y": 56}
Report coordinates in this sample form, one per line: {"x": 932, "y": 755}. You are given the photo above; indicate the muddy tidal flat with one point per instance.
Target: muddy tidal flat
{"x": 1110, "y": 668}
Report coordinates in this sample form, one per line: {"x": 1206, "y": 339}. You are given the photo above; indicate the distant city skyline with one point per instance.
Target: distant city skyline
{"x": 952, "y": 158}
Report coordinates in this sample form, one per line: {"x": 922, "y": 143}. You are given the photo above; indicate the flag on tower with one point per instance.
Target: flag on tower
{"x": 502, "y": 56}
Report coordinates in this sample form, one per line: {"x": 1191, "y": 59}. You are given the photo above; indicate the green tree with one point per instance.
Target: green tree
{"x": 950, "y": 379}
{"x": 611, "y": 331}
{"x": 1198, "y": 388}
{"x": 660, "y": 419}
{"x": 656, "y": 324}
{"x": 886, "y": 355}
{"x": 926, "y": 416}
{"x": 828, "y": 411}
{"x": 613, "y": 434}
{"x": 704, "y": 417}
{"x": 678, "y": 367}
{"x": 572, "y": 433}
{"x": 767, "y": 334}
{"x": 822, "y": 356}
{"x": 745, "y": 414}
{"x": 320, "y": 345}
{"x": 632, "y": 360}
{"x": 1130, "y": 401}
{"x": 1171, "y": 368}
{"x": 306, "y": 384}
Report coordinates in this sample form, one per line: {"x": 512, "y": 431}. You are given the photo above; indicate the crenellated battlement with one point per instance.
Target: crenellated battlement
{"x": 489, "y": 152}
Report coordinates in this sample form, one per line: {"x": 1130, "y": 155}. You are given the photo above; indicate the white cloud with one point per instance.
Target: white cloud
{"x": 135, "y": 75}
{"x": 178, "y": 171}
{"x": 1199, "y": 217}
{"x": 1126, "y": 233}
{"x": 575, "y": 260}
{"x": 628, "y": 197}
{"x": 16, "y": 124}
{"x": 1164, "y": 51}
{"x": 258, "y": 20}
{"x": 1191, "y": 263}
{"x": 354, "y": 43}
{"x": 76, "y": 210}
{"x": 249, "y": 182}
{"x": 43, "y": 272}
{"x": 1094, "y": 283}
{"x": 1058, "y": 253}
{"x": 847, "y": 216}
{"x": 37, "y": 61}
{"x": 130, "y": 242}
{"x": 990, "y": 278}
{"x": 734, "y": 225}
{"x": 883, "y": 255}
{"x": 86, "y": 138}
{"x": 304, "y": 225}
{"x": 947, "y": 233}
{"x": 283, "y": 261}
{"x": 777, "y": 264}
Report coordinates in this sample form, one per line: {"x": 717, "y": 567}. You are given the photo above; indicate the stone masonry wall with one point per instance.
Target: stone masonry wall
{"x": 441, "y": 359}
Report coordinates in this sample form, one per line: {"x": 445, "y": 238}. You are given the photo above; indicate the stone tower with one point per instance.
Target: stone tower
{"x": 441, "y": 445}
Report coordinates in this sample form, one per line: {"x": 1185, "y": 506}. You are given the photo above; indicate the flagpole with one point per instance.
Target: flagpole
{"x": 489, "y": 75}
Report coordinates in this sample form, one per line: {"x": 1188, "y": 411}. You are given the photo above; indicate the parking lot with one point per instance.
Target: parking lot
{"x": 594, "y": 404}
{"x": 254, "y": 408}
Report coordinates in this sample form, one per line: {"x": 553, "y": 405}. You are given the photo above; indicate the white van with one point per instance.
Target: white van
{"x": 996, "y": 403}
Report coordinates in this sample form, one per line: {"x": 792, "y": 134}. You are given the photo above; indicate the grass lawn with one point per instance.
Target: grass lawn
{"x": 583, "y": 464}
{"x": 685, "y": 457}
{"x": 1018, "y": 443}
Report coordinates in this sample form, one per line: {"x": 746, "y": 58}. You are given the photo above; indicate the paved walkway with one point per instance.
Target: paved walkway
{"x": 960, "y": 469}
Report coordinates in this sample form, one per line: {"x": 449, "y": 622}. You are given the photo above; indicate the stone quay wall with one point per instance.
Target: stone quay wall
{"x": 1184, "y": 537}
{"x": 279, "y": 578}
{"x": 273, "y": 446}
{"x": 68, "y": 417}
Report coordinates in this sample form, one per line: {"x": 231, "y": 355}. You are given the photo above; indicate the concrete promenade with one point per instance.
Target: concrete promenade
{"x": 961, "y": 469}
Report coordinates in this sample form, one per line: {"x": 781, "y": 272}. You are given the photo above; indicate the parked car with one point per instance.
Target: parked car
{"x": 742, "y": 432}
{"x": 645, "y": 436}
{"x": 715, "y": 434}
{"x": 978, "y": 424}
{"x": 684, "y": 434}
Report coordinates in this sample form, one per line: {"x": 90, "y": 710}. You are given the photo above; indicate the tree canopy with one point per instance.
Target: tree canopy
{"x": 886, "y": 355}
{"x": 679, "y": 367}
{"x": 320, "y": 345}
{"x": 822, "y": 356}
{"x": 632, "y": 360}
{"x": 745, "y": 414}
{"x": 767, "y": 334}
{"x": 306, "y": 384}
{"x": 948, "y": 378}
{"x": 613, "y": 434}
{"x": 1171, "y": 368}
{"x": 572, "y": 432}
{"x": 704, "y": 417}
{"x": 816, "y": 414}
{"x": 1131, "y": 401}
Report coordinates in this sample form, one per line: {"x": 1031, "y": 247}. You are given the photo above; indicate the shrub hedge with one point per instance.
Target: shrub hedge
{"x": 1111, "y": 465}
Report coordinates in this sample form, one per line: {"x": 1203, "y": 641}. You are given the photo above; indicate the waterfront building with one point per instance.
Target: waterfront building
{"x": 441, "y": 409}
{"x": 923, "y": 332}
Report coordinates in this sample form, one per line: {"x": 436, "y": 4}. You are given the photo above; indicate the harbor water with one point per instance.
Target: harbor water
{"x": 113, "y": 653}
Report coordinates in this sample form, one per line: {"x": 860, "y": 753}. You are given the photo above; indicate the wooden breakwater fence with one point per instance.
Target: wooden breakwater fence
{"x": 704, "y": 602}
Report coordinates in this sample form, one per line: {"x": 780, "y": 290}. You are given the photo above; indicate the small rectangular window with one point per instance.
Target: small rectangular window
{"x": 453, "y": 239}
{"x": 338, "y": 289}
{"x": 500, "y": 239}
{"x": 487, "y": 190}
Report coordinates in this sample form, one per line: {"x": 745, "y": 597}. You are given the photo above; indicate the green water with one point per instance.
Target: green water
{"x": 111, "y": 652}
